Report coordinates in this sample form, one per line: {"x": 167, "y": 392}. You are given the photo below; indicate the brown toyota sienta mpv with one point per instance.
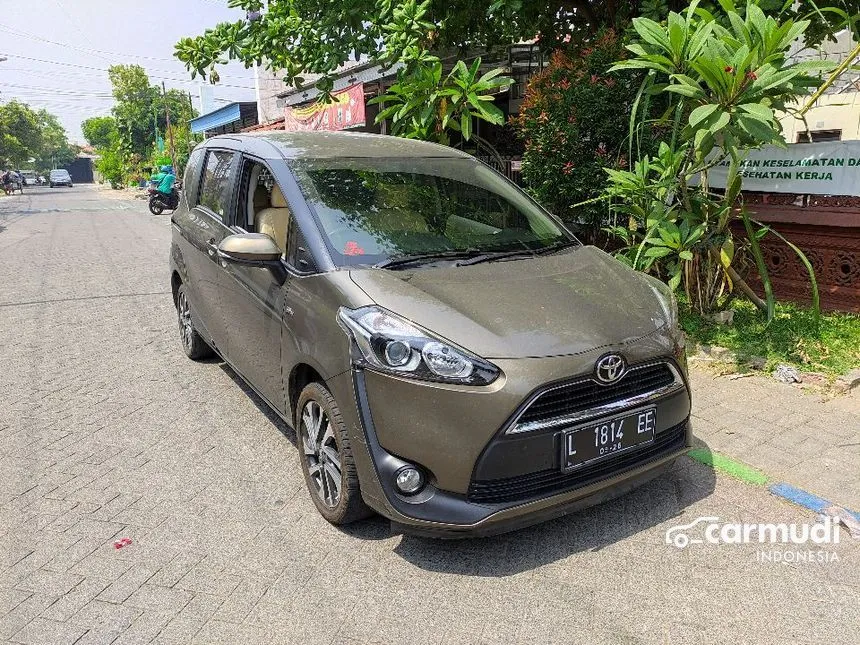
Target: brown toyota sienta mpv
{"x": 447, "y": 352}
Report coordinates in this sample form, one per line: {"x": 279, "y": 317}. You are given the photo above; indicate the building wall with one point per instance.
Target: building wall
{"x": 831, "y": 112}
{"x": 839, "y": 107}
{"x": 269, "y": 85}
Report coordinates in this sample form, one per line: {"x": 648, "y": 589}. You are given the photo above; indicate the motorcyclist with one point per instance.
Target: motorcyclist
{"x": 164, "y": 180}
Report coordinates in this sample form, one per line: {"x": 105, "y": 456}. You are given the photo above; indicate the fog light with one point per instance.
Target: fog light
{"x": 409, "y": 480}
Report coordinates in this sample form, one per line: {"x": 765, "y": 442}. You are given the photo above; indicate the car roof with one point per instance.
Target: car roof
{"x": 332, "y": 145}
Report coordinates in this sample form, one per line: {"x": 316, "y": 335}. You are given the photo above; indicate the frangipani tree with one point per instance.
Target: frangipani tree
{"x": 727, "y": 75}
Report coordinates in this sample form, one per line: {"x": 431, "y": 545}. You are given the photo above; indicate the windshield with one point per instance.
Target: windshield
{"x": 372, "y": 210}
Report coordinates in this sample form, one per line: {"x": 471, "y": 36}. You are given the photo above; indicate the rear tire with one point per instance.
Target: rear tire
{"x": 192, "y": 342}
{"x": 326, "y": 457}
{"x": 156, "y": 207}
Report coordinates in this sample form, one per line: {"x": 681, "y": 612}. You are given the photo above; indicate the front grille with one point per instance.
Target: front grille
{"x": 585, "y": 394}
{"x": 551, "y": 482}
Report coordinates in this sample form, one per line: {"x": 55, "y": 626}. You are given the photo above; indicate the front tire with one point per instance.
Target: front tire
{"x": 192, "y": 342}
{"x": 326, "y": 457}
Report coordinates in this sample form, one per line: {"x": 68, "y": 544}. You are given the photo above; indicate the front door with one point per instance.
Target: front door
{"x": 252, "y": 300}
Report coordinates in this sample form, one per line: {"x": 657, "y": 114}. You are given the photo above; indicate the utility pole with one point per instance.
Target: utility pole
{"x": 155, "y": 123}
{"x": 169, "y": 129}
{"x": 191, "y": 113}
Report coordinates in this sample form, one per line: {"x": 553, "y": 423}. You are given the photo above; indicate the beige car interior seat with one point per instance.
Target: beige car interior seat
{"x": 273, "y": 221}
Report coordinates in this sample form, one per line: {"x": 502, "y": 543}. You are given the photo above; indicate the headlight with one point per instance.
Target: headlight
{"x": 392, "y": 344}
{"x": 667, "y": 300}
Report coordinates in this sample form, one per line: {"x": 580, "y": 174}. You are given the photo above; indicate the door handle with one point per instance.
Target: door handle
{"x": 212, "y": 248}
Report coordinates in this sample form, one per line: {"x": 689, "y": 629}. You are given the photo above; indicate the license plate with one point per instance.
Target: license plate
{"x": 607, "y": 437}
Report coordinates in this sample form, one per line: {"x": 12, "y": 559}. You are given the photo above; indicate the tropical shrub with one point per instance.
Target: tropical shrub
{"x": 111, "y": 167}
{"x": 574, "y": 122}
{"x": 726, "y": 76}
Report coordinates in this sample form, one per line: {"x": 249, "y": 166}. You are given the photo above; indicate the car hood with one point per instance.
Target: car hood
{"x": 566, "y": 303}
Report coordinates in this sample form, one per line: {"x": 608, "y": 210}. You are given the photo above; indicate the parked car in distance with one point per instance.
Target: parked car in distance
{"x": 60, "y": 177}
{"x": 449, "y": 354}
{"x": 28, "y": 176}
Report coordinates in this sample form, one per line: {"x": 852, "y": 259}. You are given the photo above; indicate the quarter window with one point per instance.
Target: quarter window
{"x": 192, "y": 174}
{"x": 217, "y": 182}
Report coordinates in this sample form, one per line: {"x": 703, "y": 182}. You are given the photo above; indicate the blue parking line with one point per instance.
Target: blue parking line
{"x": 802, "y": 498}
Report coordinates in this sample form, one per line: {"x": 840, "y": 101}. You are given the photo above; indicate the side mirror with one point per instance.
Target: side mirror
{"x": 253, "y": 249}
{"x": 249, "y": 248}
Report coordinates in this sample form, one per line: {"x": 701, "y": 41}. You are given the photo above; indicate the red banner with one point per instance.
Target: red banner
{"x": 346, "y": 110}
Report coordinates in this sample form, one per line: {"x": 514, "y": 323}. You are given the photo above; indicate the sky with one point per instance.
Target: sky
{"x": 58, "y": 52}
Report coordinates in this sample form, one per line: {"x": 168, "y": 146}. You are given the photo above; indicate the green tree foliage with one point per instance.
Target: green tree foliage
{"x": 55, "y": 149}
{"x": 20, "y": 134}
{"x": 574, "y": 121}
{"x": 725, "y": 84}
{"x": 100, "y": 131}
{"x": 140, "y": 110}
{"x": 424, "y": 105}
{"x": 300, "y": 36}
{"x": 181, "y": 112}
{"x": 136, "y": 108}
{"x": 27, "y": 134}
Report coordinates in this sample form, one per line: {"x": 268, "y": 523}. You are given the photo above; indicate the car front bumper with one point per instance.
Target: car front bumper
{"x": 457, "y": 436}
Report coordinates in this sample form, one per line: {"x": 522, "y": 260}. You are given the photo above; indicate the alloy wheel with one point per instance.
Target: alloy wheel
{"x": 186, "y": 327}
{"x": 321, "y": 453}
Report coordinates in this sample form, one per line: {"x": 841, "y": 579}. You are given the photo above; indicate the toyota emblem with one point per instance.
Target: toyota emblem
{"x": 610, "y": 368}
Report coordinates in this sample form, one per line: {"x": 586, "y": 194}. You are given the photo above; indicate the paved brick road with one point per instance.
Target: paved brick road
{"x": 107, "y": 431}
{"x": 808, "y": 440}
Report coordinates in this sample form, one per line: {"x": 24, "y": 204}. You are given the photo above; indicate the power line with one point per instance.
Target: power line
{"x": 64, "y": 100}
{"x": 122, "y": 56}
{"x": 61, "y": 92}
{"x": 99, "y": 52}
{"x": 104, "y": 69}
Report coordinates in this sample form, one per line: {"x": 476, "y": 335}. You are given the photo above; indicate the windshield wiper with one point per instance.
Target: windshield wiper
{"x": 492, "y": 256}
{"x": 410, "y": 258}
{"x": 556, "y": 246}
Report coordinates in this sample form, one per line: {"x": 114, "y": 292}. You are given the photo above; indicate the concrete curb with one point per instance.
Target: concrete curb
{"x": 729, "y": 466}
{"x": 750, "y": 475}
{"x": 807, "y": 500}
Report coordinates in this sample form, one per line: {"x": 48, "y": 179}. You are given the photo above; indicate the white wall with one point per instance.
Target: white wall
{"x": 831, "y": 112}
{"x": 839, "y": 108}
{"x": 269, "y": 85}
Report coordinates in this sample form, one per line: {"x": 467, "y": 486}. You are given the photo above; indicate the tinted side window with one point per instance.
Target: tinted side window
{"x": 192, "y": 174}
{"x": 217, "y": 182}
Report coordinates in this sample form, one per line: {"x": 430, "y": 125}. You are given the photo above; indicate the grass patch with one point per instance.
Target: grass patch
{"x": 830, "y": 346}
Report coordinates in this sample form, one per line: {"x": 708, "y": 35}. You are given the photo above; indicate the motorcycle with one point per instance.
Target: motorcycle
{"x": 12, "y": 185}
{"x": 159, "y": 202}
